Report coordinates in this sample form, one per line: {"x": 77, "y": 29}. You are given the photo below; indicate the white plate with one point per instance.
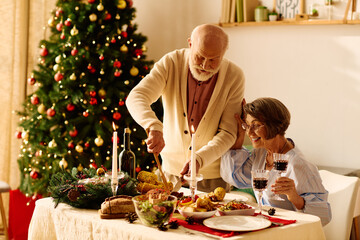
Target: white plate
{"x": 197, "y": 215}
{"x": 237, "y": 223}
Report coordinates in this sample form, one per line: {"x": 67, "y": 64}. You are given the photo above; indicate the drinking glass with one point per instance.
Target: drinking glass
{"x": 280, "y": 165}
{"x": 260, "y": 179}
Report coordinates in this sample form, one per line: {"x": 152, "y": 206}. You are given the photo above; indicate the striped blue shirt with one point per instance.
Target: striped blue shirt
{"x": 236, "y": 166}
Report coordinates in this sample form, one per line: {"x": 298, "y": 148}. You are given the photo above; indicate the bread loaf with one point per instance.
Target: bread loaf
{"x": 116, "y": 207}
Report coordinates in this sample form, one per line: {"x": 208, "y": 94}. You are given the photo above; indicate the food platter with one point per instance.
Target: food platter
{"x": 198, "y": 215}
{"x": 248, "y": 212}
{"x": 237, "y": 223}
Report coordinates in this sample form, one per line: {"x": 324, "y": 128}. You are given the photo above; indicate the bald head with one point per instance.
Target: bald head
{"x": 209, "y": 38}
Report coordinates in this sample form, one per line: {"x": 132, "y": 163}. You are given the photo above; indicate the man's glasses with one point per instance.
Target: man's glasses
{"x": 253, "y": 127}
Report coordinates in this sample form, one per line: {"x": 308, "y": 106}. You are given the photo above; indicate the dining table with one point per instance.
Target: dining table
{"x": 66, "y": 222}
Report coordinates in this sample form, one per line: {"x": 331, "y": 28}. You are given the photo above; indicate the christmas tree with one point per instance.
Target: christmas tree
{"x": 86, "y": 69}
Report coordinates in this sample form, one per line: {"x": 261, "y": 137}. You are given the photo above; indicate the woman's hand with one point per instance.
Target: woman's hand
{"x": 285, "y": 185}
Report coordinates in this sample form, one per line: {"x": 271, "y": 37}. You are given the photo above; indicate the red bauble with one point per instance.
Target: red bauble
{"x": 121, "y": 103}
{"x": 42, "y": 143}
{"x": 71, "y": 145}
{"x": 85, "y": 114}
{"x": 130, "y": 3}
{"x": 93, "y": 101}
{"x": 59, "y": 27}
{"x": 73, "y": 133}
{"x": 62, "y": 36}
{"x": 86, "y": 144}
{"x": 74, "y": 52}
{"x": 70, "y": 107}
{"x": 138, "y": 169}
{"x": 116, "y": 116}
{"x": 113, "y": 40}
{"x": 34, "y": 174}
{"x": 44, "y": 52}
{"x": 93, "y": 165}
{"x": 18, "y": 134}
{"x": 118, "y": 139}
{"x": 101, "y": 57}
{"x": 59, "y": 12}
{"x": 91, "y": 1}
{"x": 58, "y": 76}
{"x": 138, "y": 52}
{"x": 31, "y": 81}
{"x": 117, "y": 64}
{"x": 117, "y": 73}
{"x": 107, "y": 16}
{"x": 93, "y": 70}
{"x": 51, "y": 112}
{"x": 68, "y": 22}
{"x": 92, "y": 93}
{"x": 124, "y": 34}
{"x": 34, "y": 100}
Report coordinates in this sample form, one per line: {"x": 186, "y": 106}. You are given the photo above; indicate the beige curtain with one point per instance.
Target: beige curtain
{"x": 22, "y": 25}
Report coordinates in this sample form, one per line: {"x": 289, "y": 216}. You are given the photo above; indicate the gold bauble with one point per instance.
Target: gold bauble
{"x": 99, "y": 141}
{"x": 52, "y": 144}
{"x": 134, "y": 71}
{"x": 102, "y": 92}
{"x": 93, "y": 17}
{"x": 41, "y": 109}
{"x": 79, "y": 148}
{"x": 124, "y": 48}
{"x": 121, "y": 4}
{"x": 73, "y": 77}
{"x": 100, "y": 172}
{"x": 74, "y": 31}
{"x": 63, "y": 163}
{"x": 80, "y": 167}
{"x": 51, "y": 22}
{"x": 100, "y": 7}
{"x": 56, "y": 67}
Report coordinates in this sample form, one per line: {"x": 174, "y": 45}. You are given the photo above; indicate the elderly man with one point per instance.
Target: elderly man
{"x": 200, "y": 90}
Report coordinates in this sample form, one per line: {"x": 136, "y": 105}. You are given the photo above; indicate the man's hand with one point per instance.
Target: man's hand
{"x": 240, "y": 131}
{"x": 155, "y": 142}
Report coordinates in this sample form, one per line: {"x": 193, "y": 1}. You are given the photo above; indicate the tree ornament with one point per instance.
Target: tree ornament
{"x": 74, "y": 52}
{"x": 116, "y": 116}
{"x": 74, "y": 31}
{"x": 101, "y": 57}
{"x": 73, "y": 195}
{"x": 58, "y": 12}
{"x": 58, "y": 59}
{"x": 100, "y": 7}
{"x": 134, "y": 71}
{"x": 91, "y": 1}
{"x": 92, "y": 93}
{"x": 138, "y": 169}
{"x": 44, "y": 52}
{"x": 67, "y": 22}
{"x": 138, "y": 52}
{"x": 130, "y": 3}
{"x": 121, "y": 103}
{"x": 18, "y": 134}
{"x": 121, "y": 4}
{"x": 63, "y": 163}
{"x": 73, "y": 77}
{"x": 52, "y": 144}
{"x": 93, "y": 17}
{"x": 59, "y": 26}
{"x": 56, "y": 67}
{"x": 107, "y": 16}
{"x": 87, "y": 144}
{"x": 70, "y": 107}
{"x": 80, "y": 167}
{"x": 34, "y": 99}
{"x": 117, "y": 73}
{"x": 62, "y": 36}
{"x": 93, "y": 165}
{"x": 124, "y": 34}
{"x": 34, "y": 174}
{"x": 25, "y": 135}
{"x": 79, "y": 148}
{"x": 102, "y": 72}
{"x": 117, "y": 64}
{"x": 58, "y": 76}
{"x": 113, "y": 40}
{"x": 126, "y": 82}
{"x": 51, "y": 112}
{"x": 51, "y": 22}
{"x": 41, "y": 108}
{"x": 73, "y": 133}
{"x": 31, "y": 81}
{"x": 99, "y": 141}
{"x": 144, "y": 48}
{"x": 102, "y": 93}
{"x": 124, "y": 48}
{"x": 85, "y": 114}
{"x": 100, "y": 172}
{"x": 93, "y": 101}
{"x": 71, "y": 145}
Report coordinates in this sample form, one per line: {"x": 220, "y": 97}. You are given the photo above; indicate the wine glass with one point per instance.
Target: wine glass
{"x": 280, "y": 165}
{"x": 260, "y": 179}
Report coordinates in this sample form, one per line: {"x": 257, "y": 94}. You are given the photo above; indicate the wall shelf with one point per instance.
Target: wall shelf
{"x": 292, "y": 22}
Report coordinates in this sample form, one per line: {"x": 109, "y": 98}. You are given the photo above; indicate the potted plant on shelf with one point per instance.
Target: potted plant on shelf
{"x": 273, "y": 16}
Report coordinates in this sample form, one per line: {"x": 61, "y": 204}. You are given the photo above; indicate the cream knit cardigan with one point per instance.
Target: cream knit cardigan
{"x": 217, "y": 129}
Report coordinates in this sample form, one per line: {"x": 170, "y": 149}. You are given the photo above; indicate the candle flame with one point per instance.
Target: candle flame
{"x": 114, "y": 127}
{"x": 192, "y": 129}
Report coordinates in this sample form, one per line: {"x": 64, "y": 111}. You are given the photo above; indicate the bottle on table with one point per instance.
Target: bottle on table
{"x": 127, "y": 157}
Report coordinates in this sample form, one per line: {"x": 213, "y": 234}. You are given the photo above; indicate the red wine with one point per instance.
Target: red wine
{"x": 280, "y": 165}
{"x": 260, "y": 183}
{"x": 127, "y": 157}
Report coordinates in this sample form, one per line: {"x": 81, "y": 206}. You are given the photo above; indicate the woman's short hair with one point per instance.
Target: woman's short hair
{"x": 272, "y": 113}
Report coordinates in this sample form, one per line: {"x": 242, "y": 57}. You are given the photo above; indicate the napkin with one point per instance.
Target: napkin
{"x": 224, "y": 234}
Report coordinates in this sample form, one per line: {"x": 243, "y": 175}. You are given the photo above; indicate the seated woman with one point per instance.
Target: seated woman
{"x": 265, "y": 122}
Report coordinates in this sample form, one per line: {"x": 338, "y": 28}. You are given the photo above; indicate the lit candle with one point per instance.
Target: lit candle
{"x": 193, "y": 157}
{"x": 114, "y": 171}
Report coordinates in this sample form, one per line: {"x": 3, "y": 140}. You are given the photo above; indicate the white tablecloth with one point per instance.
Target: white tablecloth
{"x": 66, "y": 222}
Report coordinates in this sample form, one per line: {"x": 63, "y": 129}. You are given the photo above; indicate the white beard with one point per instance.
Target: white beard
{"x": 201, "y": 76}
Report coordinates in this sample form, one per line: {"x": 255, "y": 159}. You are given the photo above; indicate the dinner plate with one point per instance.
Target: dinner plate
{"x": 237, "y": 223}
{"x": 197, "y": 215}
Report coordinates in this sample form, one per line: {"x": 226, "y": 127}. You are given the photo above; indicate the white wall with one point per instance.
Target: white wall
{"x": 314, "y": 70}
